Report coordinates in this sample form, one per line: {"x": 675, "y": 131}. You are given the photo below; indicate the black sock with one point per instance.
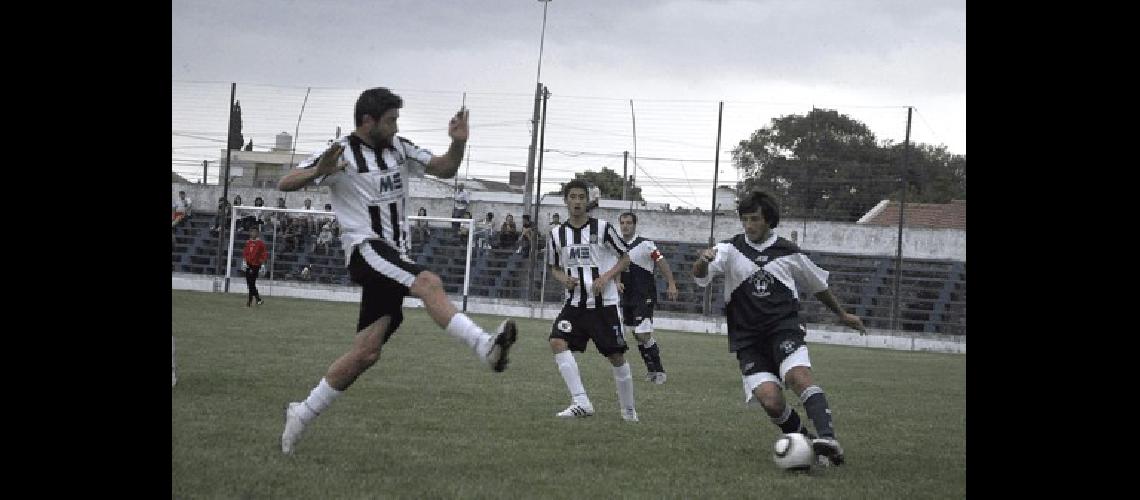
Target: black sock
{"x": 789, "y": 422}
{"x": 815, "y": 404}
{"x": 652, "y": 357}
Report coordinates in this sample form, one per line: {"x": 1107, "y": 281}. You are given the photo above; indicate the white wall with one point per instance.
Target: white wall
{"x": 435, "y": 196}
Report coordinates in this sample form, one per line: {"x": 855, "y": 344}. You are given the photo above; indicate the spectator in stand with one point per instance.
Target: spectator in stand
{"x": 254, "y": 255}
{"x": 222, "y": 218}
{"x": 462, "y": 199}
{"x": 181, "y": 210}
{"x": 508, "y": 233}
{"x": 555, "y": 220}
{"x": 463, "y": 230}
{"x": 484, "y": 229}
{"x": 280, "y": 218}
{"x": 526, "y": 241}
{"x": 324, "y": 238}
{"x": 420, "y": 231}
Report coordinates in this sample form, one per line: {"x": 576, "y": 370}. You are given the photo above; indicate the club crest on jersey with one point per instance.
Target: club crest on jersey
{"x": 788, "y": 346}
{"x": 761, "y": 280}
{"x": 564, "y": 326}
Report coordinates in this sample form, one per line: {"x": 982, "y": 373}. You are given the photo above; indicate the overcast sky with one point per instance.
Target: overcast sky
{"x": 674, "y": 59}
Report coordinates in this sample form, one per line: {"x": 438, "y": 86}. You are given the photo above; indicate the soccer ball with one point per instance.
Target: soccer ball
{"x": 793, "y": 452}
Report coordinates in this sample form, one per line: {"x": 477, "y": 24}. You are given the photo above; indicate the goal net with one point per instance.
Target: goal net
{"x": 304, "y": 247}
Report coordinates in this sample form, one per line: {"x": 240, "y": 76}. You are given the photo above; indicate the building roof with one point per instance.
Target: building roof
{"x": 925, "y": 215}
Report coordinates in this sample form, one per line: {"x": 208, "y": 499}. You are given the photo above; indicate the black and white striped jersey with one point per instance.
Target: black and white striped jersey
{"x": 585, "y": 253}
{"x": 370, "y": 193}
{"x": 638, "y": 280}
{"x": 762, "y": 283}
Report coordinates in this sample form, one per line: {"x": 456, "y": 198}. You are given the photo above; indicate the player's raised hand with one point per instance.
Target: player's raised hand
{"x": 330, "y": 161}
{"x": 457, "y": 127}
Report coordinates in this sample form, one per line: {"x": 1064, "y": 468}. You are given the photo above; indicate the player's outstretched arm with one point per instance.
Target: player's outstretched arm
{"x": 701, "y": 266}
{"x": 671, "y": 291}
{"x": 328, "y": 164}
{"x": 847, "y": 319}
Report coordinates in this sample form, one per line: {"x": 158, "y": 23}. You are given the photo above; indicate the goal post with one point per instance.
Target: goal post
{"x": 272, "y": 217}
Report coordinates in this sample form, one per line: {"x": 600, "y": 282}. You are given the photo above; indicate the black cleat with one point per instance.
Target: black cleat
{"x": 498, "y": 357}
{"x": 828, "y": 447}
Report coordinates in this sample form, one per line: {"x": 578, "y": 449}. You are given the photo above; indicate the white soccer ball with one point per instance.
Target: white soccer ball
{"x": 793, "y": 452}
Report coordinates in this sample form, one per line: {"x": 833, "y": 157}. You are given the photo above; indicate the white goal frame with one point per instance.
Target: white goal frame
{"x": 235, "y": 215}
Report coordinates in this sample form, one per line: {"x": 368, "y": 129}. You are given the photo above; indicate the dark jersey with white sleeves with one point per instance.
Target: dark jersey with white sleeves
{"x": 638, "y": 280}
{"x": 370, "y": 191}
{"x": 762, "y": 283}
{"x": 585, "y": 253}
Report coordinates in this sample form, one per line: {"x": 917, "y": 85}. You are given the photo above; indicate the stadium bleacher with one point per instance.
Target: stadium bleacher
{"x": 933, "y": 291}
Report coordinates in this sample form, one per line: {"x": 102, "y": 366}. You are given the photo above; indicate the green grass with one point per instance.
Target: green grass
{"x": 429, "y": 421}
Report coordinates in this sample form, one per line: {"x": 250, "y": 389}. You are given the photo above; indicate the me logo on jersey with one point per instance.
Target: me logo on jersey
{"x": 579, "y": 255}
{"x": 389, "y": 182}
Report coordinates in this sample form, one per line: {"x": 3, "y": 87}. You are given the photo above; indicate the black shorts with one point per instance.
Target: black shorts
{"x": 767, "y": 354}
{"x": 386, "y": 278}
{"x": 634, "y": 314}
{"x": 578, "y": 325}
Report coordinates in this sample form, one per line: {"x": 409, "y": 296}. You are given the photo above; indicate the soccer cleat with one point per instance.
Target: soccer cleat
{"x": 259, "y": 302}
{"x": 829, "y": 448}
{"x": 294, "y": 426}
{"x": 497, "y": 356}
{"x": 629, "y": 415}
{"x": 655, "y": 377}
{"x": 576, "y": 410}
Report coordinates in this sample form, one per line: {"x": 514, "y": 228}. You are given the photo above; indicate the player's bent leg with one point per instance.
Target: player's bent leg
{"x": 495, "y": 350}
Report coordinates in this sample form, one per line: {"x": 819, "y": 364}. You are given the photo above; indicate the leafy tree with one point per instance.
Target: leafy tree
{"x": 826, "y": 165}
{"x": 609, "y": 182}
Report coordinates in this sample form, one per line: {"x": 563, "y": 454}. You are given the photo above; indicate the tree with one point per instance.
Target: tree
{"x": 609, "y": 182}
{"x": 825, "y": 165}
{"x": 235, "y": 138}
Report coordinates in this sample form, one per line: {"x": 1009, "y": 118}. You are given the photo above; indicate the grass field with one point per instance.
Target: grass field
{"x": 429, "y": 421}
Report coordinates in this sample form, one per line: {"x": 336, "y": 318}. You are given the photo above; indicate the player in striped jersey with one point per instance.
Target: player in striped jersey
{"x": 585, "y": 255}
{"x": 639, "y": 294}
{"x": 367, "y": 173}
{"x": 763, "y": 277}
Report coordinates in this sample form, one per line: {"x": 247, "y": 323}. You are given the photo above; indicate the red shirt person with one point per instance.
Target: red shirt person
{"x": 255, "y": 254}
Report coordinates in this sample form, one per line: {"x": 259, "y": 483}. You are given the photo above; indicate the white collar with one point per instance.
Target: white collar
{"x": 762, "y": 245}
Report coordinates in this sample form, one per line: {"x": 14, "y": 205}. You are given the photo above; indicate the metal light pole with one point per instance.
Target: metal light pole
{"x": 534, "y": 119}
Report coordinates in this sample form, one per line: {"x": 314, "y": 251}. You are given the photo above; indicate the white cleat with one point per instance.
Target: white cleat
{"x": 576, "y": 410}
{"x": 655, "y": 377}
{"x": 497, "y": 357}
{"x": 629, "y": 415}
{"x": 294, "y": 426}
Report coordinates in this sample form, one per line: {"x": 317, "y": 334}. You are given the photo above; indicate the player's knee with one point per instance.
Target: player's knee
{"x": 616, "y": 359}
{"x": 770, "y": 397}
{"x": 799, "y": 378}
{"x": 558, "y": 345}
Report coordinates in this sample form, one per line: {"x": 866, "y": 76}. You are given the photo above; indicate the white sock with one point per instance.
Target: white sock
{"x": 569, "y": 369}
{"x": 462, "y": 328}
{"x": 624, "y": 382}
{"x": 319, "y": 400}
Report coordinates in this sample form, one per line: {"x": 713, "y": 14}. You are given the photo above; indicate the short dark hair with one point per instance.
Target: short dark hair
{"x": 760, "y": 200}
{"x": 574, "y": 184}
{"x": 629, "y": 214}
{"x": 375, "y": 102}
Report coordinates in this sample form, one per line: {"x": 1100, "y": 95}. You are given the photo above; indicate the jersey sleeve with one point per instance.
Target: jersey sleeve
{"x": 615, "y": 241}
{"x": 417, "y": 157}
{"x": 810, "y": 278}
{"x": 552, "y": 257}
